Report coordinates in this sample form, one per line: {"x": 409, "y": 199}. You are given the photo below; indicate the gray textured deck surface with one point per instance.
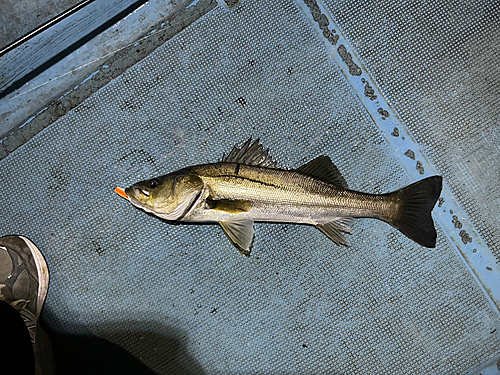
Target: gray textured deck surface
{"x": 181, "y": 299}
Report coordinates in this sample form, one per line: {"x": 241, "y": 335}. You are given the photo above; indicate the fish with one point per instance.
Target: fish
{"x": 247, "y": 186}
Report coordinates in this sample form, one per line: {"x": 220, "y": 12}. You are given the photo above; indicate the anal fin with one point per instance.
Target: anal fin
{"x": 344, "y": 224}
{"x": 333, "y": 230}
{"x": 241, "y": 234}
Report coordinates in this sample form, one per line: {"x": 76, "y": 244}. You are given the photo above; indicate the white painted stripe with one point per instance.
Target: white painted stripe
{"x": 450, "y": 216}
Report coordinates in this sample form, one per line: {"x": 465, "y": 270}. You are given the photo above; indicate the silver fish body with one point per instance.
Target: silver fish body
{"x": 247, "y": 187}
{"x": 278, "y": 195}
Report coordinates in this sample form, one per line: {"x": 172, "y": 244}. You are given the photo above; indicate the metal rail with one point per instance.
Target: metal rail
{"x": 45, "y": 26}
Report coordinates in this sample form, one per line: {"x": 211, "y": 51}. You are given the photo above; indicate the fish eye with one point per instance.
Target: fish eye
{"x": 154, "y": 183}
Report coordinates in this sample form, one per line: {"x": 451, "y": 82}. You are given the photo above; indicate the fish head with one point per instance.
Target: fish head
{"x": 170, "y": 197}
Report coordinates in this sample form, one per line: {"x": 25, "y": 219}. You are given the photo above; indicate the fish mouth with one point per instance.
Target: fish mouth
{"x": 138, "y": 197}
{"x": 138, "y": 192}
{"x": 180, "y": 211}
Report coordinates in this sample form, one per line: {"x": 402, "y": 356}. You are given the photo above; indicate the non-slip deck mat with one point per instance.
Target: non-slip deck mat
{"x": 179, "y": 298}
{"x": 439, "y": 67}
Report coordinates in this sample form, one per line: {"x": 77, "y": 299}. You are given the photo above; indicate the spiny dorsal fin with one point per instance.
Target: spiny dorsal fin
{"x": 324, "y": 169}
{"x": 253, "y": 154}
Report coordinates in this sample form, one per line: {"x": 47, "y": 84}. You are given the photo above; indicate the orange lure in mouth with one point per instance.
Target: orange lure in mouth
{"x": 121, "y": 192}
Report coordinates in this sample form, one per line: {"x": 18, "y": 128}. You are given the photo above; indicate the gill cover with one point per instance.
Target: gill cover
{"x": 170, "y": 197}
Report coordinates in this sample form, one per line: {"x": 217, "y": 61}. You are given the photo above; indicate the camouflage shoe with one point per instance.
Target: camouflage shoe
{"x": 24, "y": 279}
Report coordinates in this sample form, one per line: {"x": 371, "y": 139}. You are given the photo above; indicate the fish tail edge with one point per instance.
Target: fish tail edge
{"x": 416, "y": 202}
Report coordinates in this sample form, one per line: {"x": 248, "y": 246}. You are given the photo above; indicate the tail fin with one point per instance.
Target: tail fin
{"x": 416, "y": 203}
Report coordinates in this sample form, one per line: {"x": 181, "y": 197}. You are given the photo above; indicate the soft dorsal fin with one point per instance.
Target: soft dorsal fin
{"x": 253, "y": 154}
{"x": 323, "y": 168}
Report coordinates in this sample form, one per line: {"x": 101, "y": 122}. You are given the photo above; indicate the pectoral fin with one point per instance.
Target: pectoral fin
{"x": 240, "y": 233}
{"x": 236, "y": 206}
{"x": 334, "y": 229}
